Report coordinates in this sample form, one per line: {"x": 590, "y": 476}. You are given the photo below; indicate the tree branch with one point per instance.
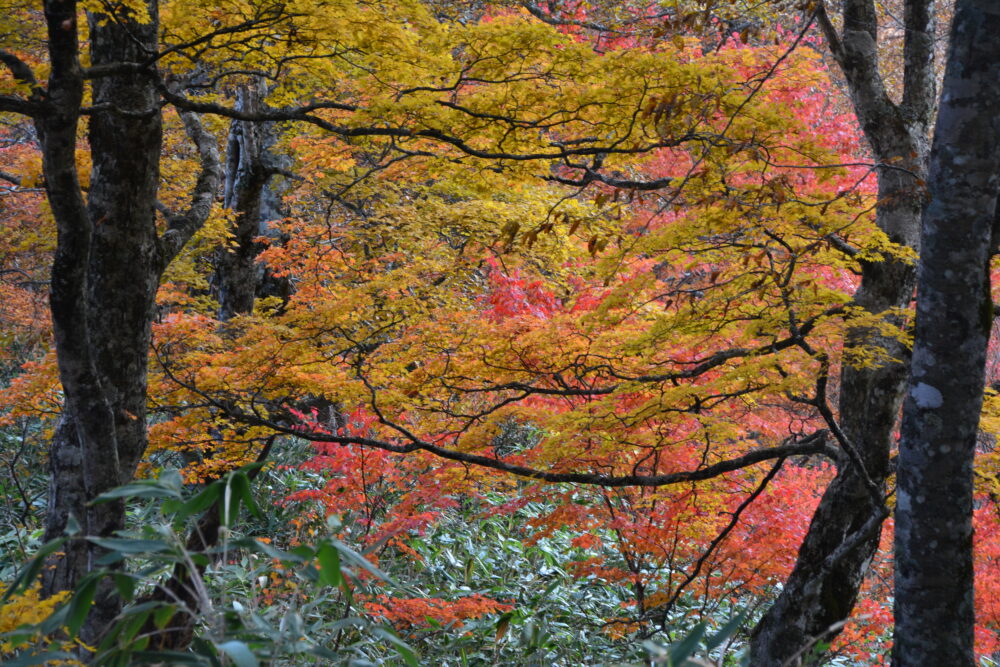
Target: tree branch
{"x": 664, "y": 611}
{"x": 305, "y": 114}
{"x": 20, "y": 69}
{"x": 830, "y": 34}
{"x": 182, "y": 227}
{"x": 918, "y": 53}
{"x": 22, "y": 74}
{"x": 12, "y": 104}
{"x": 10, "y": 178}
{"x": 813, "y": 444}
{"x": 699, "y": 368}
{"x": 858, "y": 60}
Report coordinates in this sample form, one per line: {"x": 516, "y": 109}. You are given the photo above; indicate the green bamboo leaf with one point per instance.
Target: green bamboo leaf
{"x": 30, "y": 570}
{"x": 200, "y": 502}
{"x": 242, "y": 482}
{"x": 402, "y": 648}
{"x": 727, "y": 631}
{"x": 329, "y": 562}
{"x": 163, "y": 615}
{"x": 130, "y": 546}
{"x": 685, "y": 648}
{"x": 239, "y": 653}
{"x": 140, "y": 489}
{"x": 125, "y": 584}
{"x": 79, "y": 605}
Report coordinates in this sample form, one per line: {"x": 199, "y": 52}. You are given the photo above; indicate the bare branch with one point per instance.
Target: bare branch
{"x": 810, "y": 445}
{"x": 699, "y": 368}
{"x": 664, "y": 611}
{"x": 830, "y": 33}
{"x": 12, "y": 104}
{"x": 10, "y": 178}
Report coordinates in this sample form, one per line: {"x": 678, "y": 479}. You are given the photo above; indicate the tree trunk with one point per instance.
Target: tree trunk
{"x": 934, "y": 612}
{"x": 107, "y": 266}
{"x": 103, "y": 282}
{"x": 820, "y": 594}
{"x": 843, "y": 535}
{"x": 250, "y": 166}
{"x": 238, "y": 280}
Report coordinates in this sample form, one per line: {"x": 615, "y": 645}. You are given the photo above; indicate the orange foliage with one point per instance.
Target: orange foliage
{"x": 410, "y": 613}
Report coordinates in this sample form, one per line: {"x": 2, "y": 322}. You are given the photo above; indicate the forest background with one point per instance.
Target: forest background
{"x": 561, "y": 333}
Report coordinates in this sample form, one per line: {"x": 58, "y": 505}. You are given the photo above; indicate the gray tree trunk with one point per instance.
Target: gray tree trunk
{"x": 250, "y": 167}
{"x": 239, "y": 279}
{"x": 934, "y": 611}
{"x": 821, "y": 591}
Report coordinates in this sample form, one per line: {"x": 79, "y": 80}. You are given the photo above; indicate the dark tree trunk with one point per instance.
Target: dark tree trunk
{"x": 823, "y": 587}
{"x": 107, "y": 265}
{"x": 103, "y": 282}
{"x": 844, "y": 533}
{"x": 934, "y": 610}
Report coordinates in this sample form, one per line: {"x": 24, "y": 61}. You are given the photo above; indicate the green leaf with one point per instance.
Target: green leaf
{"x": 163, "y": 615}
{"x": 237, "y": 490}
{"x": 304, "y": 552}
{"x": 134, "y": 624}
{"x": 171, "y": 479}
{"x": 242, "y": 487}
{"x": 207, "y": 649}
{"x": 329, "y": 562}
{"x": 79, "y": 605}
{"x": 169, "y": 506}
{"x": 19, "y": 637}
{"x": 130, "y": 546}
{"x": 125, "y": 585}
{"x": 356, "y": 558}
{"x": 140, "y": 489}
{"x": 321, "y": 652}
{"x": 30, "y": 571}
{"x": 685, "y": 648}
{"x": 349, "y": 622}
{"x": 295, "y": 556}
{"x": 200, "y": 559}
{"x": 110, "y": 558}
{"x": 239, "y": 653}
{"x": 200, "y": 502}
{"x": 727, "y": 631}
{"x": 402, "y": 648}
{"x": 55, "y": 621}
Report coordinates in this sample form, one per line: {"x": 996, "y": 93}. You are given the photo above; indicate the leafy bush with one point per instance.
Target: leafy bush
{"x": 230, "y": 626}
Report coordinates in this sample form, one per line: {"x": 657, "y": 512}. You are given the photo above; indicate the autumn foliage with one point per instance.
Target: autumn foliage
{"x": 500, "y": 321}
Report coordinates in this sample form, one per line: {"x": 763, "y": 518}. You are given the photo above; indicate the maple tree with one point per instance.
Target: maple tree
{"x": 627, "y": 265}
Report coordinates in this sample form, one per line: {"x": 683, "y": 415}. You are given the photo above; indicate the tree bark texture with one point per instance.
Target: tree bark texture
{"x": 250, "y": 165}
{"x": 844, "y": 533}
{"x": 103, "y": 280}
{"x": 107, "y": 266}
{"x": 934, "y": 610}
